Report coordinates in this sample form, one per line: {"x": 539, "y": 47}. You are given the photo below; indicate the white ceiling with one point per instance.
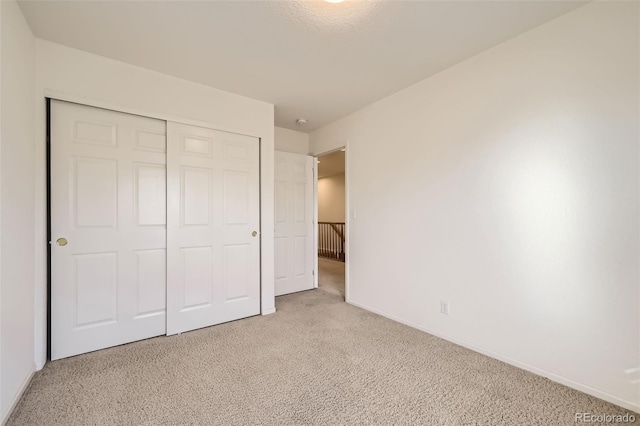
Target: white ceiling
{"x": 310, "y": 58}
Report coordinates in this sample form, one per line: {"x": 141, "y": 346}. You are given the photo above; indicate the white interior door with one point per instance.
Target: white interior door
{"x": 294, "y": 242}
{"x": 108, "y": 228}
{"x": 213, "y": 227}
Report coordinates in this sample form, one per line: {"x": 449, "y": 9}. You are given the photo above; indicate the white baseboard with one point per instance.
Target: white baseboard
{"x": 18, "y": 395}
{"x": 629, "y": 405}
{"x": 40, "y": 365}
{"x": 269, "y": 311}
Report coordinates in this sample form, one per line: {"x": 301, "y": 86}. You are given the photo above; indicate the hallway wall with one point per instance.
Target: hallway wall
{"x": 331, "y": 193}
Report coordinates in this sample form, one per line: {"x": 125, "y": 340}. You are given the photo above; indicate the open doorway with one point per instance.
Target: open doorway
{"x": 332, "y": 233}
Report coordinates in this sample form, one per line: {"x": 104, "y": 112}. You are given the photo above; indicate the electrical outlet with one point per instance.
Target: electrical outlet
{"x": 444, "y": 307}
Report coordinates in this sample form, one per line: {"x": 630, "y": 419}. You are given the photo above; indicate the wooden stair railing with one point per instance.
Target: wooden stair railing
{"x": 331, "y": 240}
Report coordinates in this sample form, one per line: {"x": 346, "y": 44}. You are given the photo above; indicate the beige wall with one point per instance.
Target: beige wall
{"x": 17, "y": 112}
{"x": 512, "y": 184}
{"x": 331, "y": 199}
{"x": 291, "y": 141}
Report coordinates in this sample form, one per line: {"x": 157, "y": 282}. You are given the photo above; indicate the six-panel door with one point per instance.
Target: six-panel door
{"x": 294, "y": 243}
{"x": 213, "y": 227}
{"x": 108, "y": 228}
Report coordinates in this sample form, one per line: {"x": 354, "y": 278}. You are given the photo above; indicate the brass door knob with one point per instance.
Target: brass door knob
{"x": 254, "y": 233}
{"x": 61, "y": 241}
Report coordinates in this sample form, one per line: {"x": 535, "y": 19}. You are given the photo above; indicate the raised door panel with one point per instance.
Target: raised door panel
{"x": 281, "y": 257}
{"x": 237, "y": 264}
{"x": 150, "y": 195}
{"x": 96, "y": 281}
{"x": 281, "y": 202}
{"x": 147, "y": 140}
{"x": 300, "y": 261}
{"x": 151, "y": 269}
{"x": 236, "y": 198}
{"x": 196, "y": 196}
{"x": 96, "y": 190}
{"x": 94, "y": 132}
{"x": 197, "y": 146}
{"x": 197, "y": 277}
{"x": 300, "y": 202}
{"x": 236, "y": 151}
{"x": 300, "y": 168}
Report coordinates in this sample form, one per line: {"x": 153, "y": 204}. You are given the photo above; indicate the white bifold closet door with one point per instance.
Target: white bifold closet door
{"x": 108, "y": 228}
{"x": 213, "y": 256}
{"x": 294, "y": 242}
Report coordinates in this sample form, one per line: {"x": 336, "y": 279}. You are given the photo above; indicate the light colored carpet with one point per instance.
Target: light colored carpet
{"x": 331, "y": 276}
{"x": 317, "y": 361}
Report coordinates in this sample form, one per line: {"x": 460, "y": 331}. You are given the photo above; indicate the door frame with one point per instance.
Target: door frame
{"x": 347, "y": 216}
{"x": 42, "y": 311}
